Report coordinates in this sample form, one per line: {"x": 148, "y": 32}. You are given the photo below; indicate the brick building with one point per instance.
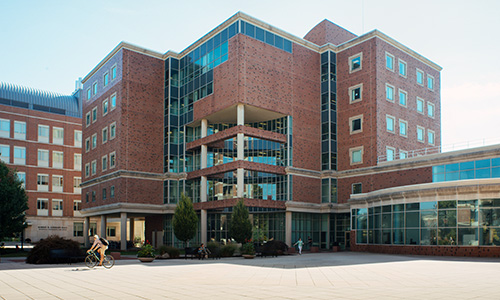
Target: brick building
{"x": 40, "y": 137}
{"x": 252, "y": 112}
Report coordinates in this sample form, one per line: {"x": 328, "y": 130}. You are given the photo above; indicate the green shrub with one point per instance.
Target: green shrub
{"x": 214, "y": 247}
{"x": 227, "y": 250}
{"x": 172, "y": 252}
{"x": 248, "y": 248}
{"x": 40, "y": 254}
{"x": 162, "y": 249}
{"x": 146, "y": 251}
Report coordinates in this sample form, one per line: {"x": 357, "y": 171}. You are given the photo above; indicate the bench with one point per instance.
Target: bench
{"x": 191, "y": 251}
{"x": 65, "y": 256}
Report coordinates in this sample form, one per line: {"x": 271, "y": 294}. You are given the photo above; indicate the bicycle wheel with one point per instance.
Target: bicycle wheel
{"x": 108, "y": 262}
{"x": 90, "y": 261}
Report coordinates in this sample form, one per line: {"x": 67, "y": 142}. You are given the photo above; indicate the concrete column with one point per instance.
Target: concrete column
{"x": 241, "y": 114}
{"x": 288, "y": 228}
{"x": 240, "y": 142}
{"x": 203, "y": 189}
{"x": 123, "y": 231}
{"x": 204, "y": 127}
{"x": 103, "y": 226}
{"x": 203, "y": 226}
{"x": 132, "y": 229}
{"x": 203, "y": 157}
{"x": 240, "y": 188}
{"x": 86, "y": 223}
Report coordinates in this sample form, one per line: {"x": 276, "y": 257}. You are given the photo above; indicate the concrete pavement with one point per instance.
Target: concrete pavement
{"x": 341, "y": 275}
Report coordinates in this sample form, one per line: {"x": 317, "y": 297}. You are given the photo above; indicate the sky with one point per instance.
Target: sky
{"x": 49, "y": 44}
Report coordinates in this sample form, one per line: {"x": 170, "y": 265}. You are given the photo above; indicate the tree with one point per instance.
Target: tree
{"x": 185, "y": 219}
{"x": 13, "y": 203}
{"x": 241, "y": 227}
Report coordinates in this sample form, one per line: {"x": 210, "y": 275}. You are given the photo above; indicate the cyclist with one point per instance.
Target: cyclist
{"x": 99, "y": 246}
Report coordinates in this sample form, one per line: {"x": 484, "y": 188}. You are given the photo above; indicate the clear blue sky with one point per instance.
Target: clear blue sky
{"x": 49, "y": 44}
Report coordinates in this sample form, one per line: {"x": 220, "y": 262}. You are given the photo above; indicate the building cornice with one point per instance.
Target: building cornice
{"x": 134, "y": 208}
{"x": 304, "y": 207}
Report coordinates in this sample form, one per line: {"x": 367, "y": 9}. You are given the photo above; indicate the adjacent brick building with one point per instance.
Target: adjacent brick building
{"x": 41, "y": 137}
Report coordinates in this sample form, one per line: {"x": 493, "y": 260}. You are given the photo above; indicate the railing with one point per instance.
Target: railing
{"x": 441, "y": 149}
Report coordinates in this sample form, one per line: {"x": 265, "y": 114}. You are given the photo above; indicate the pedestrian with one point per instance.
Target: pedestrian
{"x": 299, "y": 243}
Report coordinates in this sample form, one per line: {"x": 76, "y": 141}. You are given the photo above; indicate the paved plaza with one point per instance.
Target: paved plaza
{"x": 344, "y": 275}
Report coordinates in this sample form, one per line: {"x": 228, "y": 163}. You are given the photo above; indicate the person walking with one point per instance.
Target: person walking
{"x": 299, "y": 243}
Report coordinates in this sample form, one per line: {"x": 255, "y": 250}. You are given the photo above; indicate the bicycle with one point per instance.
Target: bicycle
{"x": 93, "y": 259}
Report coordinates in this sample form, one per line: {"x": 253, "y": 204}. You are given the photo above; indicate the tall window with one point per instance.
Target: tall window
{"x": 104, "y": 162}
{"x": 93, "y": 167}
{"x": 430, "y": 82}
{"x": 402, "y": 68}
{"x": 43, "y": 182}
{"x": 20, "y": 155}
{"x": 94, "y": 88}
{"x": 77, "y": 181}
{"x": 112, "y": 160}
{"x": 105, "y": 107}
{"x": 89, "y": 94}
{"x": 112, "y": 191}
{"x": 43, "y": 158}
{"x": 5, "y": 153}
{"x": 355, "y": 93}
{"x": 420, "y": 105}
{"x": 57, "y": 208}
{"x": 389, "y": 61}
{"x": 43, "y": 133}
{"x": 57, "y": 183}
{"x": 403, "y": 154}
{"x": 94, "y": 140}
{"x": 390, "y": 122}
{"x": 94, "y": 114}
{"x": 104, "y": 135}
{"x": 77, "y": 206}
{"x": 113, "y": 101}
{"x": 22, "y": 177}
{"x": 87, "y": 170}
{"x": 78, "y": 138}
{"x": 355, "y": 62}
{"x": 113, "y": 72}
{"x": 42, "y": 207}
{"x": 87, "y": 119}
{"x": 420, "y": 77}
{"x": 87, "y": 144}
{"x": 420, "y": 134}
{"x": 402, "y": 98}
{"x": 106, "y": 78}
{"x": 430, "y": 137}
{"x": 19, "y": 130}
{"x": 57, "y": 159}
{"x": 112, "y": 130}
{"x": 430, "y": 109}
{"x": 389, "y": 93}
{"x": 403, "y": 125}
{"x": 390, "y": 153}
{"x": 58, "y": 136}
{"x": 77, "y": 162}
{"x": 5, "y": 128}
{"x": 104, "y": 194}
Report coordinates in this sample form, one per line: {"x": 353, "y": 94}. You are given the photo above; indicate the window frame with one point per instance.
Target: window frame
{"x": 58, "y": 179}
{"x": 420, "y": 100}
{"x": 104, "y": 80}
{"x": 76, "y": 134}
{"x": 387, "y": 148}
{"x": 111, "y": 106}
{"x": 406, "y": 128}
{"x": 113, "y": 72}
{"x": 93, "y": 167}
{"x": 430, "y": 104}
{"x": 88, "y": 119}
{"x": 94, "y": 88}
{"x": 5, "y": 133}
{"x": 41, "y": 211}
{"x": 352, "y": 188}
{"x": 45, "y": 164}
{"x": 104, "y": 163}
{"x": 41, "y": 138}
{"x": 423, "y": 77}
{"x": 94, "y": 114}
{"x": 431, "y": 78}
{"x": 42, "y": 187}
{"x": 402, "y": 62}
{"x": 54, "y": 155}
{"x": 387, "y": 87}
{"x": 429, "y": 133}
{"x": 87, "y": 144}
{"x": 104, "y": 135}
{"x": 400, "y": 91}
{"x": 351, "y": 58}
{"x": 351, "y": 155}
{"x": 351, "y": 93}
{"x": 105, "y": 107}
{"x": 421, "y": 129}
{"x": 19, "y": 160}
{"x": 353, "y": 118}
{"x": 22, "y": 135}
{"x": 403, "y": 151}
{"x": 93, "y": 141}
{"x": 387, "y": 118}
{"x": 57, "y": 141}
{"x": 112, "y": 165}
{"x": 112, "y": 136}
{"x": 388, "y": 55}
{"x": 89, "y": 93}
{"x": 87, "y": 170}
